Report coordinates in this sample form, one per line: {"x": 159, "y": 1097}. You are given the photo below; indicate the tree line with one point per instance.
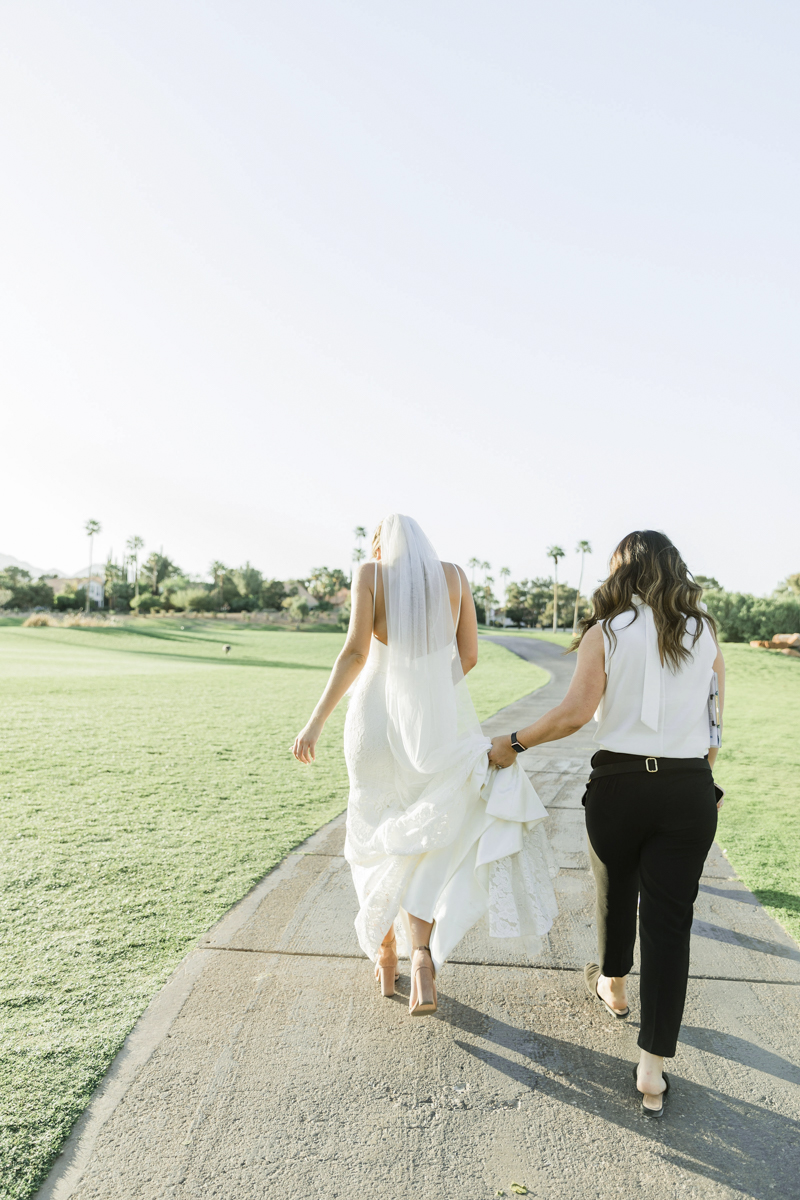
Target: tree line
{"x": 742, "y": 617}
{"x": 158, "y": 583}
{"x": 542, "y": 601}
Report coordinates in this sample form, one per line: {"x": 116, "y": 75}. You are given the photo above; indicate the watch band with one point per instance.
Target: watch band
{"x": 518, "y": 746}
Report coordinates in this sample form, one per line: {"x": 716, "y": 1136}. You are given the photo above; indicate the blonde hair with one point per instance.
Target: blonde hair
{"x": 376, "y": 540}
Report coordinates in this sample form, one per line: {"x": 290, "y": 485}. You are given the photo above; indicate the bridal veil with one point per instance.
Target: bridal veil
{"x": 430, "y": 824}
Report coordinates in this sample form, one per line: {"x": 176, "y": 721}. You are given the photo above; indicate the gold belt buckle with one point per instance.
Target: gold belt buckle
{"x": 651, "y": 770}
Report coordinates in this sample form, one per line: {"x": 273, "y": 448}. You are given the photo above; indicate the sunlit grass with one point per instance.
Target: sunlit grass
{"x": 146, "y": 783}
{"x": 759, "y": 766}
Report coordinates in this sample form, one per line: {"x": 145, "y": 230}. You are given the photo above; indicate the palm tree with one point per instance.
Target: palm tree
{"x": 555, "y": 552}
{"x": 218, "y": 571}
{"x": 485, "y": 567}
{"x": 134, "y": 545}
{"x": 358, "y": 554}
{"x": 504, "y": 574}
{"x": 488, "y": 597}
{"x": 582, "y": 548}
{"x": 473, "y": 564}
{"x": 91, "y": 527}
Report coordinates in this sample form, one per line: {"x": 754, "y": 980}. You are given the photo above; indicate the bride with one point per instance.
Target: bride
{"x": 436, "y": 838}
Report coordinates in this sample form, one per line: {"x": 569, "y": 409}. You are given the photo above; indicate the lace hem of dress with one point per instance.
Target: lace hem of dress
{"x": 506, "y": 874}
{"x": 522, "y": 901}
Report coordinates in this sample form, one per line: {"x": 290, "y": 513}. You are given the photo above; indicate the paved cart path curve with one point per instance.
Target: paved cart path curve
{"x": 269, "y": 1066}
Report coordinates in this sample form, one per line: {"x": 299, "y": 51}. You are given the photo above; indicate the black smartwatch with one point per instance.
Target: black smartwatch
{"x": 518, "y": 746}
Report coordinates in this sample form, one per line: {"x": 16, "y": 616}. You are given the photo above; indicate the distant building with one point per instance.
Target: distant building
{"x": 63, "y": 583}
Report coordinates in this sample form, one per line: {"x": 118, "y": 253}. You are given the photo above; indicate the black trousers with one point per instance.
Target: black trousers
{"x": 648, "y": 840}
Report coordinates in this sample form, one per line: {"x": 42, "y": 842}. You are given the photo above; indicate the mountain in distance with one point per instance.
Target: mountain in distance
{"x": 8, "y": 560}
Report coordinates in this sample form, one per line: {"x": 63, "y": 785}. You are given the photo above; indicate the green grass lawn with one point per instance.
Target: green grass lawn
{"x": 146, "y": 783}
{"x": 759, "y": 767}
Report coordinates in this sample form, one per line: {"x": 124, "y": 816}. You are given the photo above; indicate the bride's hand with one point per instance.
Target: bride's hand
{"x": 501, "y": 753}
{"x": 306, "y": 741}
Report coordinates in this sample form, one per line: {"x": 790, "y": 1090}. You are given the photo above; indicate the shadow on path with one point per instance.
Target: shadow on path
{"x": 727, "y": 1045}
{"x": 732, "y": 937}
{"x": 705, "y": 1131}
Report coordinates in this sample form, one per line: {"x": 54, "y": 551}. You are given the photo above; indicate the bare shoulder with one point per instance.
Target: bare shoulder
{"x": 364, "y": 576}
{"x": 592, "y": 641}
{"x": 452, "y": 572}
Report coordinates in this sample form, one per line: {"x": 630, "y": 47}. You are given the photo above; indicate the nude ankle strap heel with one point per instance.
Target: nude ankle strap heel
{"x": 386, "y": 978}
{"x": 423, "y": 999}
{"x": 386, "y": 969}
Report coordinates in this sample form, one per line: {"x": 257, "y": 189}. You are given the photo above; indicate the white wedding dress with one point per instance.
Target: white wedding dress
{"x": 432, "y": 829}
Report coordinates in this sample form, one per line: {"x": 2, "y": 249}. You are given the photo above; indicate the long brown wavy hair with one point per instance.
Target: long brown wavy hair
{"x": 646, "y": 564}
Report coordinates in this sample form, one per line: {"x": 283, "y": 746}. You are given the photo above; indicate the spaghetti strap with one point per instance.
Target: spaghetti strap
{"x": 460, "y": 596}
{"x": 374, "y": 593}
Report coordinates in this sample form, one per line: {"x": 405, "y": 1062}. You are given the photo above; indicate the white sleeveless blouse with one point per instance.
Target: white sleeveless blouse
{"x": 648, "y": 708}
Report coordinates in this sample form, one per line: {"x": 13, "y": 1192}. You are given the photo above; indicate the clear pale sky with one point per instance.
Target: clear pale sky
{"x": 528, "y": 272}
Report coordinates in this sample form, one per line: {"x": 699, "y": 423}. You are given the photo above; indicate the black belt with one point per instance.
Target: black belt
{"x": 649, "y": 765}
{"x": 625, "y": 764}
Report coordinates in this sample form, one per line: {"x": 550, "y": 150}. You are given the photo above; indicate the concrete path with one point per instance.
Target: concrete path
{"x": 269, "y": 1066}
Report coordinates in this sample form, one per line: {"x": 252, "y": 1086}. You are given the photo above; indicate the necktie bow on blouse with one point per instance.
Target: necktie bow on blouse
{"x": 651, "y": 691}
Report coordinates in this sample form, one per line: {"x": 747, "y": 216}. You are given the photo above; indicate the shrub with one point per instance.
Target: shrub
{"x": 144, "y": 603}
{"x": 744, "y": 618}
{"x": 67, "y": 601}
{"x": 194, "y": 599}
{"x": 70, "y": 621}
{"x": 272, "y": 594}
{"x": 297, "y": 607}
{"x": 324, "y": 583}
{"x": 81, "y": 620}
{"x": 25, "y": 591}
